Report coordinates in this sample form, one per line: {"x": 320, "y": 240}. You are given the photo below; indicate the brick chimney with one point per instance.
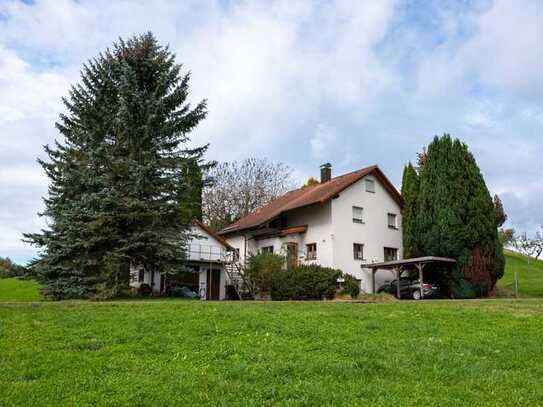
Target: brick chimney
{"x": 326, "y": 172}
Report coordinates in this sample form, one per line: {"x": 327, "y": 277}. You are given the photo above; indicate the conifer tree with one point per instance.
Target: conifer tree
{"x": 455, "y": 217}
{"x": 410, "y": 191}
{"x": 119, "y": 179}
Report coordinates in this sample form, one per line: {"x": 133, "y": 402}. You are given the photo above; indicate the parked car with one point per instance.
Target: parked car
{"x": 410, "y": 288}
{"x": 183, "y": 292}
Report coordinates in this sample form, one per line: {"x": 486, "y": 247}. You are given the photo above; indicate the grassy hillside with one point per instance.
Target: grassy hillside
{"x": 13, "y": 289}
{"x": 530, "y": 273}
{"x": 442, "y": 353}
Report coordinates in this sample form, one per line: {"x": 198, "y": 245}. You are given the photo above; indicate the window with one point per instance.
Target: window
{"x": 370, "y": 185}
{"x": 392, "y": 224}
{"x": 236, "y": 255}
{"x": 391, "y": 254}
{"x": 311, "y": 250}
{"x": 141, "y": 275}
{"x": 267, "y": 250}
{"x": 358, "y": 251}
{"x": 358, "y": 214}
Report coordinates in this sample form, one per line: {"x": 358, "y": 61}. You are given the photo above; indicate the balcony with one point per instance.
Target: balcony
{"x": 208, "y": 253}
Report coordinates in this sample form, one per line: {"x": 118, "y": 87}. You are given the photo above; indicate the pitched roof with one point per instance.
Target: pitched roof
{"x": 309, "y": 195}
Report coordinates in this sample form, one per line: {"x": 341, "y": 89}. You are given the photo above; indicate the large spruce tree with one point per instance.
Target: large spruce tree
{"x": 121, "y": 177}
{"x": 455, "y": 217}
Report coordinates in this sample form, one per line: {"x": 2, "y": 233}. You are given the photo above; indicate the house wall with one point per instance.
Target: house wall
{"x": 204, "y": 247}
{"x": 331, "y": 227}
{"x": 319, "y": 231}
{"x": 317, "y": 217}
{"x": 374, "y": 233}
{"x": 135, "y": 283}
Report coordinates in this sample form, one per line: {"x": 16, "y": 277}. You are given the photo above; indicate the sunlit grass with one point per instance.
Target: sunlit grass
{"x": 13, "y": 289}
{"x": 193, "y": 353}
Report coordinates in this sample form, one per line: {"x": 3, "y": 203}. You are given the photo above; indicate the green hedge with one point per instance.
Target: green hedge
{"x": 307, "y": 282}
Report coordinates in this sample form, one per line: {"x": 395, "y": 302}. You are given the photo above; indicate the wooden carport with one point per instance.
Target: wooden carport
{"x": 399, "y": 265}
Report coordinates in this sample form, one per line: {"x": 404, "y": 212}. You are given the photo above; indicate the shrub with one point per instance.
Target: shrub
{"x": 262, "y": 268}
{"x": 306, "y": 282}
{"x": 351, "y": 285}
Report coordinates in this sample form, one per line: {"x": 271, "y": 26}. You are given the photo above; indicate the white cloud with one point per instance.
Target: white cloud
{"x": 324, "y": 139}
{"x": 350, "y": 82}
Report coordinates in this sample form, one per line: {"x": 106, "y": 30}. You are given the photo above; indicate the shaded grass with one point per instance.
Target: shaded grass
{"x": 13, "y": 289}
{"x": 530, "y": 273}
{"x": 165, "y": 353}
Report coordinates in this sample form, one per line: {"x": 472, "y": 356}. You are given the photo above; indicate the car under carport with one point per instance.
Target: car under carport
{"x": 421, "y": 264}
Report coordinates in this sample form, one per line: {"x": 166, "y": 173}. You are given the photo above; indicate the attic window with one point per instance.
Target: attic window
{"x": 370, "y": 185}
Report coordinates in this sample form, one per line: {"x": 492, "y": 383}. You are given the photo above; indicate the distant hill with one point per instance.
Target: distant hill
{"x": 530, "y": 273}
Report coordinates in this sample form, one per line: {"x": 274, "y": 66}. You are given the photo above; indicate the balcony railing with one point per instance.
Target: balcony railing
{"x": 202, "y": 252}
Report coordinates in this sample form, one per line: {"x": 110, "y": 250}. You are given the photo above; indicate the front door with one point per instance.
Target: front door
{"x": 213, "y": 284}
{"x": 292, "y": 254}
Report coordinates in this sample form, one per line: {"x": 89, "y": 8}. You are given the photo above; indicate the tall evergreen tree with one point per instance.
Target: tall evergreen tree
{"x": 455, "y": 217}
{"x": 410, "y": 192}
{"x": 119, "y": 177}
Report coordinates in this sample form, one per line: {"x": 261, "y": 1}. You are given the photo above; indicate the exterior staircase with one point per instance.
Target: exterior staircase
{"x": 236, "y": 276}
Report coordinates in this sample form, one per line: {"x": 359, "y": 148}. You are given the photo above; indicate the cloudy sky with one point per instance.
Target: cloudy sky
{"x": 304, "y": 82}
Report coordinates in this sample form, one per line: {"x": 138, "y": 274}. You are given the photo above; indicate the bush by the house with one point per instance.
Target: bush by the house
{"x": 306, "y": 282}
{"x": 351, "y": 285}
{"x": 262, "y": 268}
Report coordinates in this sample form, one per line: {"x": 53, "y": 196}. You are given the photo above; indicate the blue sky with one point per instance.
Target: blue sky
{"x": 348, "y": 82}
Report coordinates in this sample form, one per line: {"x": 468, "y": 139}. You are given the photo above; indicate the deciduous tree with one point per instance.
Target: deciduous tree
{"x": 239, "y": 188}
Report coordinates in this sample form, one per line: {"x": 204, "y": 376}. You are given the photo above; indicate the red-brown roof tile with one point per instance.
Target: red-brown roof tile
{"x": 309, "y": 195}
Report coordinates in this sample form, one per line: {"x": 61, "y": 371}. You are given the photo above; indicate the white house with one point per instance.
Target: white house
{"x": 342, "y": 222}
{"x": 207, "y": 254}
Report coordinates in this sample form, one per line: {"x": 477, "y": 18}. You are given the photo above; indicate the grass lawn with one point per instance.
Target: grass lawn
{"x": 12, "y": 289}
{"x": 530, "y": 276}
{"x": 444, "y": 353}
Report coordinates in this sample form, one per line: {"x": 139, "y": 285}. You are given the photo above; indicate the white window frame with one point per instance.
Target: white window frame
{"x": 395, "y": 225}
{"x": 311, "y": 255}
{"x": 267, "y": 249}
{"x": 355, "y": 219}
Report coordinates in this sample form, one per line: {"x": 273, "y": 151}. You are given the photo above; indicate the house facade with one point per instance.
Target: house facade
{"x": 207, "y": 254}
{"x": 342, "y": 222}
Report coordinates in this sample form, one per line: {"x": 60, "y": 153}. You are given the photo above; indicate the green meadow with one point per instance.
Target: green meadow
{"x": 170, "y": 352}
